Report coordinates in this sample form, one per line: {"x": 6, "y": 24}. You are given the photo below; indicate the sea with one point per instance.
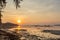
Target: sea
{"x": 45, "y": 32}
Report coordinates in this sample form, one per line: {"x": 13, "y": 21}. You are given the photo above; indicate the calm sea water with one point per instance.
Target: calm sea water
{"x": 38, "y": 31}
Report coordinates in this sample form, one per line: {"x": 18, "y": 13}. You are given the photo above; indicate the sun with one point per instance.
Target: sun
{"x": 18, "y": 21}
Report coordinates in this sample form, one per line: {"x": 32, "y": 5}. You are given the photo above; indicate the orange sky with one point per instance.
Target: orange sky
{"x": 33, "y": 11}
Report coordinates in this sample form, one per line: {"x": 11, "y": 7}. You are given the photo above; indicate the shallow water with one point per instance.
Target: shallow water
{"x": 38, "y": 31}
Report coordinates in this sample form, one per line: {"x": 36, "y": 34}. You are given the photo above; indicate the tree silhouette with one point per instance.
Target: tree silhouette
{"x": 3, "y": 4}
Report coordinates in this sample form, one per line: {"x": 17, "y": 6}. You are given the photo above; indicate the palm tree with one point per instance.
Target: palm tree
{"x": 3, "y": 4}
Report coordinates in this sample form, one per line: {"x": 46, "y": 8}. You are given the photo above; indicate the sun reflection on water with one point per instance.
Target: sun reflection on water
{"x": 16, "y": 29}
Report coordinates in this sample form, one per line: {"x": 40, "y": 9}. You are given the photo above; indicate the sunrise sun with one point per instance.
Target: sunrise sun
{"x": 19, "y": 21}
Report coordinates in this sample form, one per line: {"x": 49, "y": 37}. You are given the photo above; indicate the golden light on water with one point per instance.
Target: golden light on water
{"x": 17, "y": 29}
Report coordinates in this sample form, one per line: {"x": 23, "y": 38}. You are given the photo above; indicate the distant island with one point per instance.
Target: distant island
{"x": 12, "y": 25}
{"x": 8, "y": 25}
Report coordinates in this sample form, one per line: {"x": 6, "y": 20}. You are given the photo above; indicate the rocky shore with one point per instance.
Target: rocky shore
{"x": 21, "y": 35}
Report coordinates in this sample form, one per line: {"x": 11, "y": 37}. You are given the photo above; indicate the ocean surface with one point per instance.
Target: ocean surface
{"x": 39, "y": 31}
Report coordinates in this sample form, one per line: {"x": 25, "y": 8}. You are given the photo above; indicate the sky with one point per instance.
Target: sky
{"x": 33, "y": 12}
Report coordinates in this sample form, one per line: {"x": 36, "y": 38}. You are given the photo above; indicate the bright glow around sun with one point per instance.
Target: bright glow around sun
{"x": 19, "y": 21}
